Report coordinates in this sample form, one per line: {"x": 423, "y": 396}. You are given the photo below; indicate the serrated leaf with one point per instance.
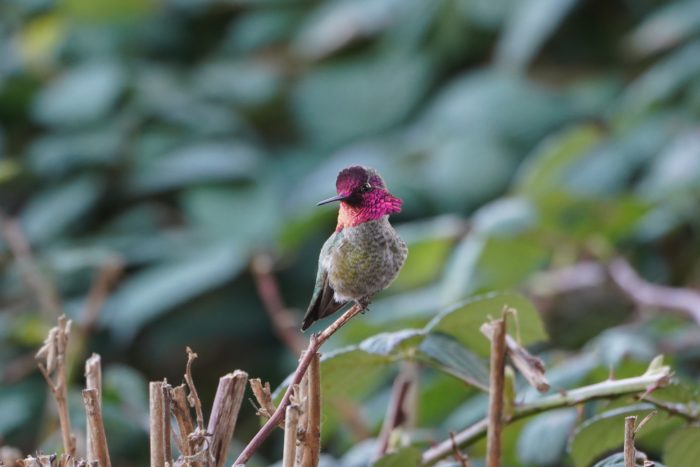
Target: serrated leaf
{"x": 542, "y": 441}
{"x": 406, "y": 457}
{"x": 463, "y": 319}
{"x": 453, "y": 358}
{"x": 682, "y": 448}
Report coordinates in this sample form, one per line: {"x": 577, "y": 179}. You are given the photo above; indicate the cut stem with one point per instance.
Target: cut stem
{"x": 96, "y": 436}
{"x": 630, "y": 452}
{"x": 496, "y": 386}
{"x": 224, "y": 413}
{"x": 291, "y": 422}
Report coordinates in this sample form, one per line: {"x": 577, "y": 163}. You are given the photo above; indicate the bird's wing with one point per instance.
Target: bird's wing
{"x": 322, "y": 302}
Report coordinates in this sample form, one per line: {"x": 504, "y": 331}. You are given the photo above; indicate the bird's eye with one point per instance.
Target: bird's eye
{"x": 366, "y": 187}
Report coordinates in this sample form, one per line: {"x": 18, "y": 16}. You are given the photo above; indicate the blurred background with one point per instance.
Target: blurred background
{"x": 153, "y": 149}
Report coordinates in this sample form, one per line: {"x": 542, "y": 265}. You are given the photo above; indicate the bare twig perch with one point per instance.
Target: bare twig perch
{"x": 181, "y": 413}
{"x": 96, "y": 430}
{"x": 630, "y": 453}
{"x": 52, "y": 361}
{"x": 93, "y": 380}
{"x": 224, "y": 413}
{"x": 496, "y": 386}
{"x": 314, "y": 344}
{"x": 653, "y": 378}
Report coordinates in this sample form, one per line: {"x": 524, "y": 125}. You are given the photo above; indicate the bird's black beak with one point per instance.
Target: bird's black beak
{"x": 330, "y": 200}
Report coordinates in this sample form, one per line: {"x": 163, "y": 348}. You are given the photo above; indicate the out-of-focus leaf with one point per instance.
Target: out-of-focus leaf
{"x": 543, "y": 439}
{"x": 429, "y": 243}
{"x": 108, "y": 10}
{"x": 242, "y": 83}
{"x": 546, "y": 166}
{"x": 8, "y": 169}
{"x": 406, "y": 457}
{"x": 494, "y": 104}
{"x": 59, "y": 153}
{"x": 662, "y": 80}
{"x": 349, "y": 91}
{"x": 675, "y": 170}
{"x": 332, "y": 26}
{"x": 481, "y": 262}
{"x": 40, "y": 38}
{"x": 613, "y": 345}
{"x": 450, "y": 356}
{"x": 604, "y": 432}
{"x": 505, "y": 216}
{"x": 57, "y": 209}
{"x": 199, "y": 163}
{"x": 488, "y": 14}
{"x": 529, "y": 26}
{"x": 263, "y": 27}
{"x": 80, "y": 96}
{"x": 666, "y": 27}
{"x": 462, "y": 320}
{"x": 352, "y": 372}
{"x": 18, "y": 404}
{"x": 682, "y": 448}
{"x": 125, "y": 387}
{"x": 149, "y": 294}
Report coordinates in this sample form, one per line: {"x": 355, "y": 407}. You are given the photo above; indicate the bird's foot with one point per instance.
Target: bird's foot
{"x": 364, "y": 304}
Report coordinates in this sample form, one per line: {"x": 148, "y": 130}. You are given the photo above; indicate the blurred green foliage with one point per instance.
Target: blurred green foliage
{"x": 184, "y": 137}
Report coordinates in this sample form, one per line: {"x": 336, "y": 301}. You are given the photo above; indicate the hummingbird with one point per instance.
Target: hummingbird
{"x": 364, "y": 254}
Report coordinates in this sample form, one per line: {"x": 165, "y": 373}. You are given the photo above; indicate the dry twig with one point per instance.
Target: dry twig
{"x": 99, "y": 451}
{"x": 460, "y": 457}
{"x": 263, "y": 395}
{"x": 159, "y": 423}
{"x": 224, "y": 413}
{"x": 314, "y": 344}
{"x": 193, "y": 397}
{"x": 496, "y": 386}
{"x": 396, "y": 410}
{"x": 630, "y": 452}
{"x": 312, "y": 432}
{"x": 291, "y": 422}
{"x": 181, "y": 413}
{"x": 93, "y": 380}
{"x": 52, "y": 361}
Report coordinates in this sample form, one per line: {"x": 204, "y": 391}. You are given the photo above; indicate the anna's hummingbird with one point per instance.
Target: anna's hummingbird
{"x": 365, "y": 253}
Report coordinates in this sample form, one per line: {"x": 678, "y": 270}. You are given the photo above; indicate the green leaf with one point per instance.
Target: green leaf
{"x": 147, "y": 295}
{"x": 80, "y": 96}
{"x": 406, "y": 457}
{"x": 462, "y": 320}
{"x": 618, "y": 460}
{"x": 247, "y": 84}
{"x": 55, "y": 210}
{"x": 352, "y": 372}
{"x": 349, "y": 90}
{"x": 505, "y": 216}
{"x": 198, "y": 163}
{"x": 682, "y": 448}
{"x": 605, "y": 432}
{"x": 453, "y": 358}
{"x": 545, "y": 168}
{"x": 666, "y": 27}
{"x": 393, "y": 343}
{"x": 530, "y": 24}
{"x": 542, "y": 441}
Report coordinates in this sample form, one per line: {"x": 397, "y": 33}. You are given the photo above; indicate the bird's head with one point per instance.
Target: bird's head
{"x": 363, "y": 196}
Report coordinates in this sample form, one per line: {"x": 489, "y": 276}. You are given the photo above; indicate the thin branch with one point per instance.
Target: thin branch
{"x": 496, "y": 387}
{"x": 18, "y": 244}
{"x": 312, "y": 433}
{"x": 224, "y": 413}
{"x": 395, "y": 413}
{"x": 314, "y": 344}
{"x": 283, "y": 321}
{"x": 693, "y": 416}
{"x": 630, "y": 453}
{"x": 605, "y": 390}
{"x": 653, "y": 295}
{"x": 531, "y": 367}
{"x": 291, "y": 421}
{"x": 193, "y": 397}
{"x": 301, "y": 398}
{"x": 96, "y": 430}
